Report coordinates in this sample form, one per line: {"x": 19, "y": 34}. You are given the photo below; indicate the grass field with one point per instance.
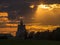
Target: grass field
{"x": 28, "y": 42}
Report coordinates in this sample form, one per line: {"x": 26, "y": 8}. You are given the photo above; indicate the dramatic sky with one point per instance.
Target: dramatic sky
{"x": 37, "y": 13}
{"x": 17, "y": 8}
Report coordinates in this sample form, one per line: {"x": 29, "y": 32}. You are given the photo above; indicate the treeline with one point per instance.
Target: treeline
{"x": 47, "y": 35}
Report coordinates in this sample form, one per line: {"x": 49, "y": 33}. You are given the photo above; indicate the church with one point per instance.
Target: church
{"x": 21, "y": 32}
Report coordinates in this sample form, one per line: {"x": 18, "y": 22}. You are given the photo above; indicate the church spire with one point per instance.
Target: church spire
{"x": 21, "y": 32}
{"x": 21, "y": 20}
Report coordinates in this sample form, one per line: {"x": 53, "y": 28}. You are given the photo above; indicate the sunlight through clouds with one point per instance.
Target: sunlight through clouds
{"x": 47, "y": 13}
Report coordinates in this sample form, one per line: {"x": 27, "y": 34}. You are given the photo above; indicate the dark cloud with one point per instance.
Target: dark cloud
{"x": 22, "y": 8}
{"x": 52, "y": 1}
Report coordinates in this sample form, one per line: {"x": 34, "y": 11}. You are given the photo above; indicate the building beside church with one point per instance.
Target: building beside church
{"x": 21, "y": 32}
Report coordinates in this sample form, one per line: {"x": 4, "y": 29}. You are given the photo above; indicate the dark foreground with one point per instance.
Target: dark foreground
{"x": 28, "y": 42}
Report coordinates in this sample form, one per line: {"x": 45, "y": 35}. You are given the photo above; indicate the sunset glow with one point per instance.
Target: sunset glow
{"x": 43, "y": 11}
{"x": 11, "y": 24}
{"x": 43, "y": 6}
{"x": 40, "y": 28}
{"x": 3, "y": 14}
{"x": 31, "y": 6}
{"x": 49, "y": 6}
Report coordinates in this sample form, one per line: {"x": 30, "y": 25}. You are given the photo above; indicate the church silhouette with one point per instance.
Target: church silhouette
{"x": 21, "y": 32}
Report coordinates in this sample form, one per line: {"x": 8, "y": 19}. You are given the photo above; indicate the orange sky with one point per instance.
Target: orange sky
{"x": 46, "y": 15}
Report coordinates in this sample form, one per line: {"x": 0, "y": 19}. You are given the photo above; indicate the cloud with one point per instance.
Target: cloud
{"x": 22, "y": 8}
